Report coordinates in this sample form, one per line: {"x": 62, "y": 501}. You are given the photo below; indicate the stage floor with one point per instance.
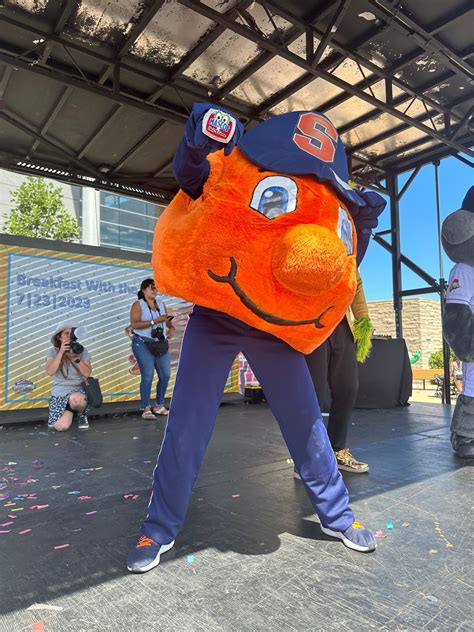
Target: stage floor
{"x": 251, "y": 555}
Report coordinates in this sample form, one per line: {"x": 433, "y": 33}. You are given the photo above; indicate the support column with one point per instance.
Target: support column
{"x": 90, "y": 216}
{"x": 442, "y": 286}
{"x": 392, "y": 186}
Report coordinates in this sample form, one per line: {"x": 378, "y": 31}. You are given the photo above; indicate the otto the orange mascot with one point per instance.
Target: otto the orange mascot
{"x": 264, "y": 238}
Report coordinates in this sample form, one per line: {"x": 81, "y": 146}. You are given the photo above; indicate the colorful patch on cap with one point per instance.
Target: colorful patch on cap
{"x": 218, "y": 125}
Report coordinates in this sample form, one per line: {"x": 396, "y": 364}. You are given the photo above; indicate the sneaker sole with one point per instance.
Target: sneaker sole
{"x": 164, "y": 548}
{"x": 347, "y": 542}
{"x": 347, "y": 468}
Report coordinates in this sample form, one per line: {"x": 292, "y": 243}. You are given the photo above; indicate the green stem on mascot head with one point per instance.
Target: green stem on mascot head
{"x": 362, "y": 333}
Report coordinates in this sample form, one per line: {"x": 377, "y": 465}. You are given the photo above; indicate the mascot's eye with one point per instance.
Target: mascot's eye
{"x": 344, "y": 230}
{"x": 274, "y": 196}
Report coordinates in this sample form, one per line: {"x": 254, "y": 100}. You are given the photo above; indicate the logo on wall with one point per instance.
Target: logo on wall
{"x": 23, "y": 387}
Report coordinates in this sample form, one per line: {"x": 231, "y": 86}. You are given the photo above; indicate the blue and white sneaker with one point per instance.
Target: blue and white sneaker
{"x": 356, "y": 537}
{"x": 146, "y": 555}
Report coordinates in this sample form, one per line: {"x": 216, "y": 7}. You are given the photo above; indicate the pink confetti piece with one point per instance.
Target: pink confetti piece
{"x": 90, "y": 513}
{"x": 235, "y": 496}
{"x": 24, "y": 531}
{"x": 12, "y": 517}
{"x": 147, "y": 462}
{"x": 61, "y": 546}
{"x": 84, "y": 497}
{"x": 127, "y": 496}
{"x": 38, "y": 626}
{"x": 135, "y": 497}
{"x": 5, "y": 531}
{"x": 6, "y": 524}
{"x": 380, "y": 534}
{"x": 39, "y": 506}
{"x": 71, "y": 471}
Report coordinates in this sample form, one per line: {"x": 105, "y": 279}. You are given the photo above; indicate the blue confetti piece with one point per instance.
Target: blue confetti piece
{"x": 74, "y": 492}
{"x": 190, "y": 559}
{"x": 389, "y": 525}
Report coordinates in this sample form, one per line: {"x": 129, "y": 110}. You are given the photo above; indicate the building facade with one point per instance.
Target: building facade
{"x": 421, "y": 319}
{"x": 106, "y": 219}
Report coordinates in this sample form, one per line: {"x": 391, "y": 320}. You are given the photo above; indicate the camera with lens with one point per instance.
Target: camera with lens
{"x": 158, "y": 333}
{"x": 76, "y": 346}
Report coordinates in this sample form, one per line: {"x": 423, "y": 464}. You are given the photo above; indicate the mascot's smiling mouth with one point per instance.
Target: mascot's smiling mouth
{"x": 231, "y": 280}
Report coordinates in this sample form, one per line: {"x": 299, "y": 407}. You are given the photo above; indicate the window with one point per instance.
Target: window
{"x": 109, "y": 234}
{"x": 127, "y": 223}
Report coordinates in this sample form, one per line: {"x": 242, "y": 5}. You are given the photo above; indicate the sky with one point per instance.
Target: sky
{"x": 418, "y": 228}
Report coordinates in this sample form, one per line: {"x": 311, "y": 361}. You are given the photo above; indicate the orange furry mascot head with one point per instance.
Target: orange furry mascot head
{"x": 273, "y": 248}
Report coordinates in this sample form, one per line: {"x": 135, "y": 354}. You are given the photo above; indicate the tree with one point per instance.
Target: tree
{"x": 436, "y": 359}
{"x": 38, "y": 211}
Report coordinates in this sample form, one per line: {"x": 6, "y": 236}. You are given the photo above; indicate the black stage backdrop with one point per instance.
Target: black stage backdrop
{"x": 385, "y": 379}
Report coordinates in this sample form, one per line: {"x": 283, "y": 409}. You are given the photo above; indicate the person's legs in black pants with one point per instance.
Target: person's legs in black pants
{"x": 343, "y": 384}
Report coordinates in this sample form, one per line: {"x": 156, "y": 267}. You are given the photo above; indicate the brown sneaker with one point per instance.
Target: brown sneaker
{"x": 346, "y": 462}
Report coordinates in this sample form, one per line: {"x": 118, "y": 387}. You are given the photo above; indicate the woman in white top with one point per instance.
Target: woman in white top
{"x": 151, "y": 325}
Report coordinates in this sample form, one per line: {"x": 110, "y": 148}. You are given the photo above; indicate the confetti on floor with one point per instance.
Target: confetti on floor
{"x": 61, "y": 546}
{"x": 38, "y": 626}
{"x": 235, "y": 496}
{"x": 39, "y": 506}
{"x": 90, "y": 513}
{"x": 389, "y": 525}
{"x": 190, "y": 559}
{"x": 24, "y": 531}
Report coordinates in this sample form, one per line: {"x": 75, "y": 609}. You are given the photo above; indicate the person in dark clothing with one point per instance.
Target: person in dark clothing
{"x": 333, "y": 368}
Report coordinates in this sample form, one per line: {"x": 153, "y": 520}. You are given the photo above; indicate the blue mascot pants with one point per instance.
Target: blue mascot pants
{"x": 210, "y": 344}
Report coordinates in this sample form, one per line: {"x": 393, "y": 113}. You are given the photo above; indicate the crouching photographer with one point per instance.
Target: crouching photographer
{"x": 151, "y": 325}
{"x": 68, "y": 363}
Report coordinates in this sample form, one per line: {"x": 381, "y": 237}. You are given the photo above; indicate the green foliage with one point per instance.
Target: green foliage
{"x": 38, "y": 211}
{"x": 436, "y": 359}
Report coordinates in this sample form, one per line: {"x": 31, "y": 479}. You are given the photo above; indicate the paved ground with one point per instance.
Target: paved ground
{"x": 251, "y": 556}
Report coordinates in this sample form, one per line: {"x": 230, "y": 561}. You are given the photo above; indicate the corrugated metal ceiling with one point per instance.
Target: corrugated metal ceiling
{"x": 100, "y": 89}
